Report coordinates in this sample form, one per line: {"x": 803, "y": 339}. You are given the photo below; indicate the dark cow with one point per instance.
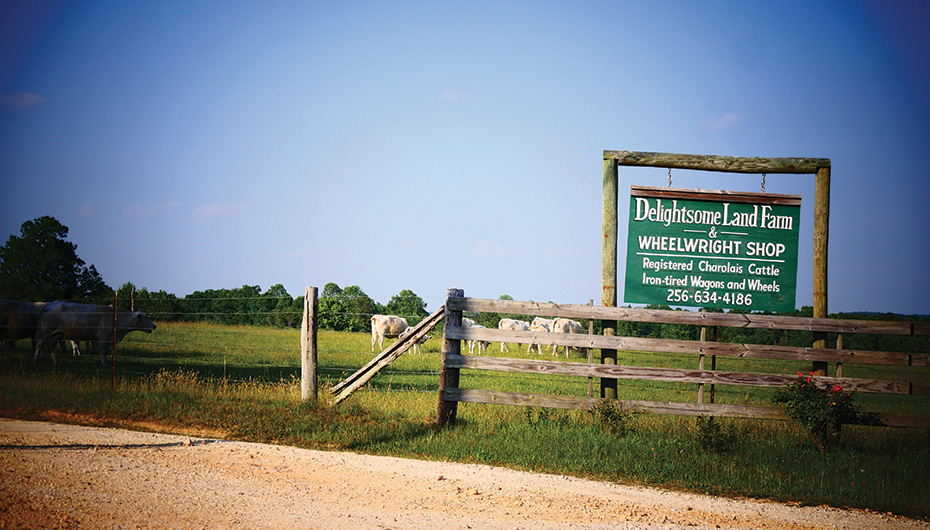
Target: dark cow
{"x": 79, "y": 322}
{"x": 18, "y": 320}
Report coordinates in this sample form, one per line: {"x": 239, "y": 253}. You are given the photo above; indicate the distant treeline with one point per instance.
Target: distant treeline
{"x": 348, "y": 309}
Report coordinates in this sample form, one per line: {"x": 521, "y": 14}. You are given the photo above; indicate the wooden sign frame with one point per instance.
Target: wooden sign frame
{"x": 820, "y": 167}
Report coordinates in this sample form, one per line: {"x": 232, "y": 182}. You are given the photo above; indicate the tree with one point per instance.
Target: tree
{"x": 41, "y": 265}
{"x": 360, "y": 307}
{"x": 407, "y": 304}
{"x": 348, "y": 309}
{"x": 332, "y": 309}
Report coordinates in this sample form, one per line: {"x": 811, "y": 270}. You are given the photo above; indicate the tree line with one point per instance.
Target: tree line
{"x": 41, "y": 265}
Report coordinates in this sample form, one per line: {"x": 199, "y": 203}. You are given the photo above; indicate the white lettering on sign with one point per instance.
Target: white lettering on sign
{"x": 761, "y": 216}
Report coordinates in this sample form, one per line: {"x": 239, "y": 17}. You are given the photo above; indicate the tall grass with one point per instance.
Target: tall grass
{"x": 243, "y": 383}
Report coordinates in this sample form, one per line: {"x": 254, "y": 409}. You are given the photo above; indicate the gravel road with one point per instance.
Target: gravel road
{"x": 65, "y": 476}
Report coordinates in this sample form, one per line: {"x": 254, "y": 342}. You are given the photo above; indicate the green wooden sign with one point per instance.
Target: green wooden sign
{"x": 702, "y": 248}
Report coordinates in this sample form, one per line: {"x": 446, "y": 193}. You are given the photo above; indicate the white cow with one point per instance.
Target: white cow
{"x": 537, "y": 327}
{"x": 565, "y": 325}
{"x": 388, "y": 326}
{"x": 416, "y": 345}
{"x": 481, "y": 344}
{"x": 541, "y": 324}
{"x": 510, "y": 324}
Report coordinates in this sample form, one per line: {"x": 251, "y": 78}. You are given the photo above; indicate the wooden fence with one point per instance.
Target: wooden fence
{"x": 453, "y": 361}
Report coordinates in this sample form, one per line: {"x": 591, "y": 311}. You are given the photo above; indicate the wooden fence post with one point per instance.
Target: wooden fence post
{"x": 591, "y": 352}
{"x": 821, "y": 241}
{"x": 113, "y": 372}
{"x": 449, "y": 377}
{"x": 308, "y": 357}
{"x": 609, "y": 266}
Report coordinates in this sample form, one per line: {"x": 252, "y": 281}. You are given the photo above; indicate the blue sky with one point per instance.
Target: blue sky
{"x": 428, "y": 145}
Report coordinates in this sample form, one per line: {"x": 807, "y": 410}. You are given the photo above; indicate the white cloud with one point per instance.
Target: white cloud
{"x": 139, "y": 211}
{"x": 213, "y": 211}
{"x": 451, "y": 95}
{"x": 489, "y": 248}
{"x": 723, "y": 122}
{"x": 20, "y": 101}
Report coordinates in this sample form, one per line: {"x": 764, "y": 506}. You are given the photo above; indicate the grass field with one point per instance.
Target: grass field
{"x": 243, "y": 383}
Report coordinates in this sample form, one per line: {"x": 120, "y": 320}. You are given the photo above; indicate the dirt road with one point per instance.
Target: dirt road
{"x": 65, "y": 476}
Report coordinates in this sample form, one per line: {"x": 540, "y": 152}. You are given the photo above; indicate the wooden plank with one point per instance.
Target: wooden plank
{"x": 494, "y": 397}
{"x": 727, "y": 349}
{"x": 715, "y": 195}
{"x": 355, "y": 381}
{"x": 671, "y": 375}
{"x": 921, "y": 328}
{"x": 729, "y": 164}
{"x": 920, "y": 359}
{"x": 697, "y": 318}
{"x": 899, "y": 420}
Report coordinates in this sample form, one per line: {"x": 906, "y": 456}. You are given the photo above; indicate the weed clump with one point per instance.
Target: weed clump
{"x": 709, "y": 434}
{"x": 612, "y": 417}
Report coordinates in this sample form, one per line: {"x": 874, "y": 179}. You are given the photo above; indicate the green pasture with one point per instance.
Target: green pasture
{"x": 242, "y": 382}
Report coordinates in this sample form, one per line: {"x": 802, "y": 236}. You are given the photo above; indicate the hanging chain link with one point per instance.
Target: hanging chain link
{"x": 763, "y": 183}
{"x": 669, "y": 177}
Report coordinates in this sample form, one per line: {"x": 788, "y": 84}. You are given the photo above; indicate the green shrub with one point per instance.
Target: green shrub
{"x": 820, "y": 409}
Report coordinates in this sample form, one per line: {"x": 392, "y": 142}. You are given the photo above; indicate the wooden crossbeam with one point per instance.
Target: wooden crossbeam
{"x": 357, "y": 380}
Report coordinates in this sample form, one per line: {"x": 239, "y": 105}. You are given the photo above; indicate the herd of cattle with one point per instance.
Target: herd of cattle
{"x": 49, "y": 324}
{"x": 390, "y": 326}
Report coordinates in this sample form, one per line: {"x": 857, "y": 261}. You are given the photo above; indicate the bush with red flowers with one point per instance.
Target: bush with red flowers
{"x": 821, "y": 409}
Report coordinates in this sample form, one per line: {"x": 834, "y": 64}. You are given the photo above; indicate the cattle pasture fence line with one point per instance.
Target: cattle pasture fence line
{"x": 228, "y": 353}
{"x": 781, "y": 363}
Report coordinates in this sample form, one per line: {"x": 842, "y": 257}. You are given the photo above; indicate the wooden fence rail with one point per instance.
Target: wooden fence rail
{"x": 453, "y": 361}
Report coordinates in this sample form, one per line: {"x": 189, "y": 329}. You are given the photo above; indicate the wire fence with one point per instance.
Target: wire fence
{"x": 215, "y": 351}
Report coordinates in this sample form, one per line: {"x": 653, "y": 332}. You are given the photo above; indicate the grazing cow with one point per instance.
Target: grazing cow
{"x": 565, "y": 325}
{"x": 542, "y": 324}
{"x": 416, "y": 345}
{"x": 481, "y": 344}
{"x": 388, "y": 326}
{"x": 510, "y": 324}
{"x": 537, "y": 327}
{"x": 60, "y": 321}
{"x": 18, "y": 320}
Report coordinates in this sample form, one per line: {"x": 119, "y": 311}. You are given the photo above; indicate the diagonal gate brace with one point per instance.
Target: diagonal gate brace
{"x": 386, "y": 357}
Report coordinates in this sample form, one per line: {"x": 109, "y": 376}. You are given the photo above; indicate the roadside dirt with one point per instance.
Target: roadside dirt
{"x": 66, "y": 476}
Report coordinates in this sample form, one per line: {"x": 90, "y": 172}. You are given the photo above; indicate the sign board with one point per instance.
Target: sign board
{"x": 704, "y": 248}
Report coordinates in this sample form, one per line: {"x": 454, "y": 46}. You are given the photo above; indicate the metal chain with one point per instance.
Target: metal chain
{"x": 669, "y": 177}
{"x": 763, "y": 183}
